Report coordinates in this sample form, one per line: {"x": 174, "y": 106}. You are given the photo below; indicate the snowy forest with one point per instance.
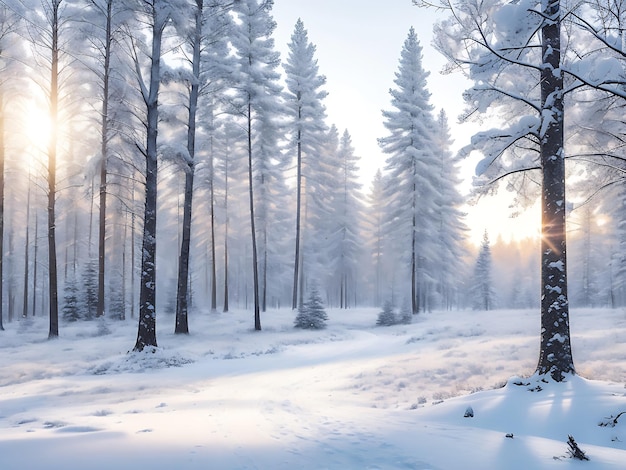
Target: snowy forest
{"x": 166, "y": 162}
{"x": 116, "y": 112}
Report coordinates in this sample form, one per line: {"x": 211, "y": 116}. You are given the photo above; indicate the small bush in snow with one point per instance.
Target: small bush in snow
{"x": 405, "y": 317}
{"x": 311, "y": 314}
{"x": 387, "y": 317}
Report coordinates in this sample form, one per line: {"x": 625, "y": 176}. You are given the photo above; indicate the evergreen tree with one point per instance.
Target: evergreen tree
{"x": 71, "y": 308}
{"x": 413, "y": 194}
{"x": 258, "y": 102}
{"x": 311, "y": 314}
{"x": 306, "y": 115}
{"x": 387, "y": 316}
{"x": 343, "y": 243}
{"x": 451, "y": 228}
{"x": 483, "y": 293}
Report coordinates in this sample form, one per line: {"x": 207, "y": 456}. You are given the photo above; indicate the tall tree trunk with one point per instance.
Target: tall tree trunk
{"x": 52, "y": 158}
{"x": 1, "y": 206}
{"x": 296, "y": 260}
{"x": 414, "y": 292}
{"x": 35, "y": 256}
{"x": 555, "y": 349}
{"x": 26, "y": 251}
{"x": 212, "y": 216}
{"x": 104, "y": 152}
{"x": 255, "y": 266}
{"x": 182, "y": 307}
{"x": 226, "y": 293}
{"x": 146, "y": 333}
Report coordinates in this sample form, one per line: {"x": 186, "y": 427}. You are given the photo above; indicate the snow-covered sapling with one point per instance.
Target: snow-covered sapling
{"x": 387, "y": 317}
{"x": 311, "y": 314}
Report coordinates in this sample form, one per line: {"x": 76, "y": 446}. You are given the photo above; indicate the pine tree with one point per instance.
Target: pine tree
{"x": 387, "y": 316}
{"x": 306, "y": 115}
{"x": 71, "y": 308}
{"x": 451, "y": 228}
{"x": 483, "y": 294}
{"x": 414, "y": 172}
{"x": 258, "y": 101}
{"x": 311, "y": 314}
{"x": 89, "y": 296}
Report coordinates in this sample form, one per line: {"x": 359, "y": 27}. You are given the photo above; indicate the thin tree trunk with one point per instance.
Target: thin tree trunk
{"x": 182, "y": 307}
{"x": 2, "y": 132}
{"x": 104, "y": 151}
{"x": 35, "y": 270}
{"x": 212, "y": 216}
{"x": 296, "y": 261}
{"x": 255, "y": 268}
{"x": 26, "y": 252}
{"x": 555, "y": 349}
{"x": 52, "y": 157}
{"x": 226, "y": 293}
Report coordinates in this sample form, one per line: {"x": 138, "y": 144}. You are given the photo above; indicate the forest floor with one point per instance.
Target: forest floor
{"x": 352, "y": 396}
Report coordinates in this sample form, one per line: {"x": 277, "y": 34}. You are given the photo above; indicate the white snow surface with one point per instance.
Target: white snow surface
{"x": 353, "y": 396}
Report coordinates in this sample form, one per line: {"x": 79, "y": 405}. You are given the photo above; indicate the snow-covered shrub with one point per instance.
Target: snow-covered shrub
{"x": 311, "y": 314}
{"x": 387, "y": 317}
{"x": 405, "y": 317}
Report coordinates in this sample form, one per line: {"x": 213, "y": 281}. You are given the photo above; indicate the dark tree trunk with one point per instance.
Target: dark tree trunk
{"x": 26, "y": 253}
{"x": 213, "y": 260}
{"x": 1, "y": 205}
{"x": 146, "y": 333}
{"x": 555, "y": 356}
{"x": 182, "y": 307}
{"x": 255, "y": 266}
{"x": 104, "y": 144}
{"x": 35, "y": 253}
{"x": 52, "y": 157}
{"x": 296, "y": 261}
{"x": 226, "y": 293}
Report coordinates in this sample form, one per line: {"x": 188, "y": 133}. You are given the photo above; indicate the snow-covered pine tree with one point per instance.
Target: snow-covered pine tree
{"x": 306, "y": 117}
{"x": 405, "y": 316}
{"x": 373, "y": 220}
{"x": 311, "y": 314}
{"x": 413, "y": 166}
{"x": 482, "y": 291}
{"x": 387, "y": 316}
{"x": 71, "y": 308}
{"x": 90, "y": 288}
{"x": 452, "y": 228}
{"x": 258, "y": 100}
{"x": 344, "y": 242}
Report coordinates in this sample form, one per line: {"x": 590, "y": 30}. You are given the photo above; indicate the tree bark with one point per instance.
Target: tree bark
{"x": 255, "y": 266}
{"x": 182, "y": 324}
{"x": 146, "y": 333}
{"x": 555, "y": 356}
{"x": 1, "y": 205}
{"x": 296, "y": 261}
{"x": 52, "y": 157}
{"x": 104, "y": 150}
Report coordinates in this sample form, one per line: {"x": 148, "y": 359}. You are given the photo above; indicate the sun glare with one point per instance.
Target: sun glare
{"x": 493, "y": 215}
{"x": 35, "y": 125}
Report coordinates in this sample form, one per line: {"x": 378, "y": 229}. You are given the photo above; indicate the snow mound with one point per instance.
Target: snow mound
{"x": 139, "y": 362}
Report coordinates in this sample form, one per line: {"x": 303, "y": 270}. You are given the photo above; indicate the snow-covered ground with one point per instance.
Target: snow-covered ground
{"x": 353, "y": 396}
